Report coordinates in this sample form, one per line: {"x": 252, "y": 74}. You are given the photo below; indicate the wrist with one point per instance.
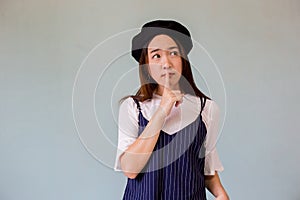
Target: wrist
{"x": 162, "y": 112}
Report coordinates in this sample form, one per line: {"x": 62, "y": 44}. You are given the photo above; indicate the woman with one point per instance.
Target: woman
{"x": 167, "y": 130}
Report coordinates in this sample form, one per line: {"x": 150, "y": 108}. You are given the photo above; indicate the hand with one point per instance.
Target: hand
{"x": 169, "y": 97}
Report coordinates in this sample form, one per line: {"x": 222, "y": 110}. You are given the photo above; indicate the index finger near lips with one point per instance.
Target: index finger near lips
{"x": 167, "y": 80}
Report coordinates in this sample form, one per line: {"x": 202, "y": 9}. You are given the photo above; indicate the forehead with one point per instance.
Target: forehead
{"x": 161, "y": 42}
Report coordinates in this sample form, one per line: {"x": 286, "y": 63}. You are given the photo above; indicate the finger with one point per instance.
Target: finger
{"x": 180, "y": 100}
{"x": 176, "y": 92}
{"x": 178, "y": 103}
{"x": 167, "y": 80}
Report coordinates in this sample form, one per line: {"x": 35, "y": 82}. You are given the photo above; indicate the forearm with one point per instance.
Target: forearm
{"x": 138, "y": 153}
{"x": 214, "y": 186}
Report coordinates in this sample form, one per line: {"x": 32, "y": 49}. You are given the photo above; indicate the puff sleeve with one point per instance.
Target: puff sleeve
{"x": 212, "y": 161}
{"x": 127, "y": 128}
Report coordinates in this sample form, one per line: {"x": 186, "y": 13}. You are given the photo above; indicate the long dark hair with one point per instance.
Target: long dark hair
{"x": 149, "y": 85}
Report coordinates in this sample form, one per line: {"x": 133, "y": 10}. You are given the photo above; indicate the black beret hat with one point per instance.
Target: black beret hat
{"x": 151, "y": 29}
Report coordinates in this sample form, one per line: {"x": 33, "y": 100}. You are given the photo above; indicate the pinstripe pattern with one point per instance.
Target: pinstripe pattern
{"x": 174, "y": 170}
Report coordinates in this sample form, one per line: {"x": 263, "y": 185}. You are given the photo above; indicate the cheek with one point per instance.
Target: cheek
{"x": 154, "y": 70}
{"x": 155, "y": 73}
{"x": 179, "y": 66}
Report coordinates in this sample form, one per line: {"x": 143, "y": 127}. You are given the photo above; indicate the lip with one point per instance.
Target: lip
{"x": 170, "y": 74}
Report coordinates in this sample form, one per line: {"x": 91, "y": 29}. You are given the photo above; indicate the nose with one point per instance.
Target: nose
{"x": 166, "y": 64}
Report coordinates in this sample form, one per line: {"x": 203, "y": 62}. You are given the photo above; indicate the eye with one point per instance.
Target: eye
{"x": 174, "y": 53}
{"x": 155, "y": 56}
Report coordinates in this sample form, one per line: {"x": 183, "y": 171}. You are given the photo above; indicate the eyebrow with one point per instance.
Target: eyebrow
{"x": 170, "y": 48}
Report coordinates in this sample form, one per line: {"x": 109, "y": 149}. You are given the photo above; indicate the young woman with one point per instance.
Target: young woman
{"x": 167, "y": 130}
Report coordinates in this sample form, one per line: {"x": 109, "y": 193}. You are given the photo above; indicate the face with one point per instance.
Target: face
{"x": 164, "y": 57}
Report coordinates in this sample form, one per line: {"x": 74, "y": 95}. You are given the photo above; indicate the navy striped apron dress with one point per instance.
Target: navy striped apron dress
{"x": 175, "y": 169}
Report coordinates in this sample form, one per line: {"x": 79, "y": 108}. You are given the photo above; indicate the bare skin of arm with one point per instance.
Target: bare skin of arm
{"x": 214, "y": 186}
{"x": 138, "y": 153}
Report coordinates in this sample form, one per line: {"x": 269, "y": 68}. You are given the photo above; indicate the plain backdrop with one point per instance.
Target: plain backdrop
{"x": 255, "y": 45}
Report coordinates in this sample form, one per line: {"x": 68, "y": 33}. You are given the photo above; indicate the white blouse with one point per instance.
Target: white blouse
{"x": 179, "y": 118}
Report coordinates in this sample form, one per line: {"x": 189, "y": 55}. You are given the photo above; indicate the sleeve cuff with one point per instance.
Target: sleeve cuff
{"x": 117, "y": 166}
{"x": 212, "y": 163}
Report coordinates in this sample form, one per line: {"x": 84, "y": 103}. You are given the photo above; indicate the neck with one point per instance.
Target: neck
{"x": 160, "y": 89}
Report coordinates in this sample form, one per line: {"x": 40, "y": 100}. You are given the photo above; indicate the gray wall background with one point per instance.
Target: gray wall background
{"x": 42, "y": 44}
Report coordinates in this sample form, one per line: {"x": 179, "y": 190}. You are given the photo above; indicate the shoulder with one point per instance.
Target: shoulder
{"x": 210, "y": 111}
{"x": 211, "y": 107}
{"x": 128, "y": 106}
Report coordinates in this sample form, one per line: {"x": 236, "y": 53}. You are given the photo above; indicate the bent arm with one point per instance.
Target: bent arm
{"x": 138, "y": 153}
{"x": 214, "y": 186}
